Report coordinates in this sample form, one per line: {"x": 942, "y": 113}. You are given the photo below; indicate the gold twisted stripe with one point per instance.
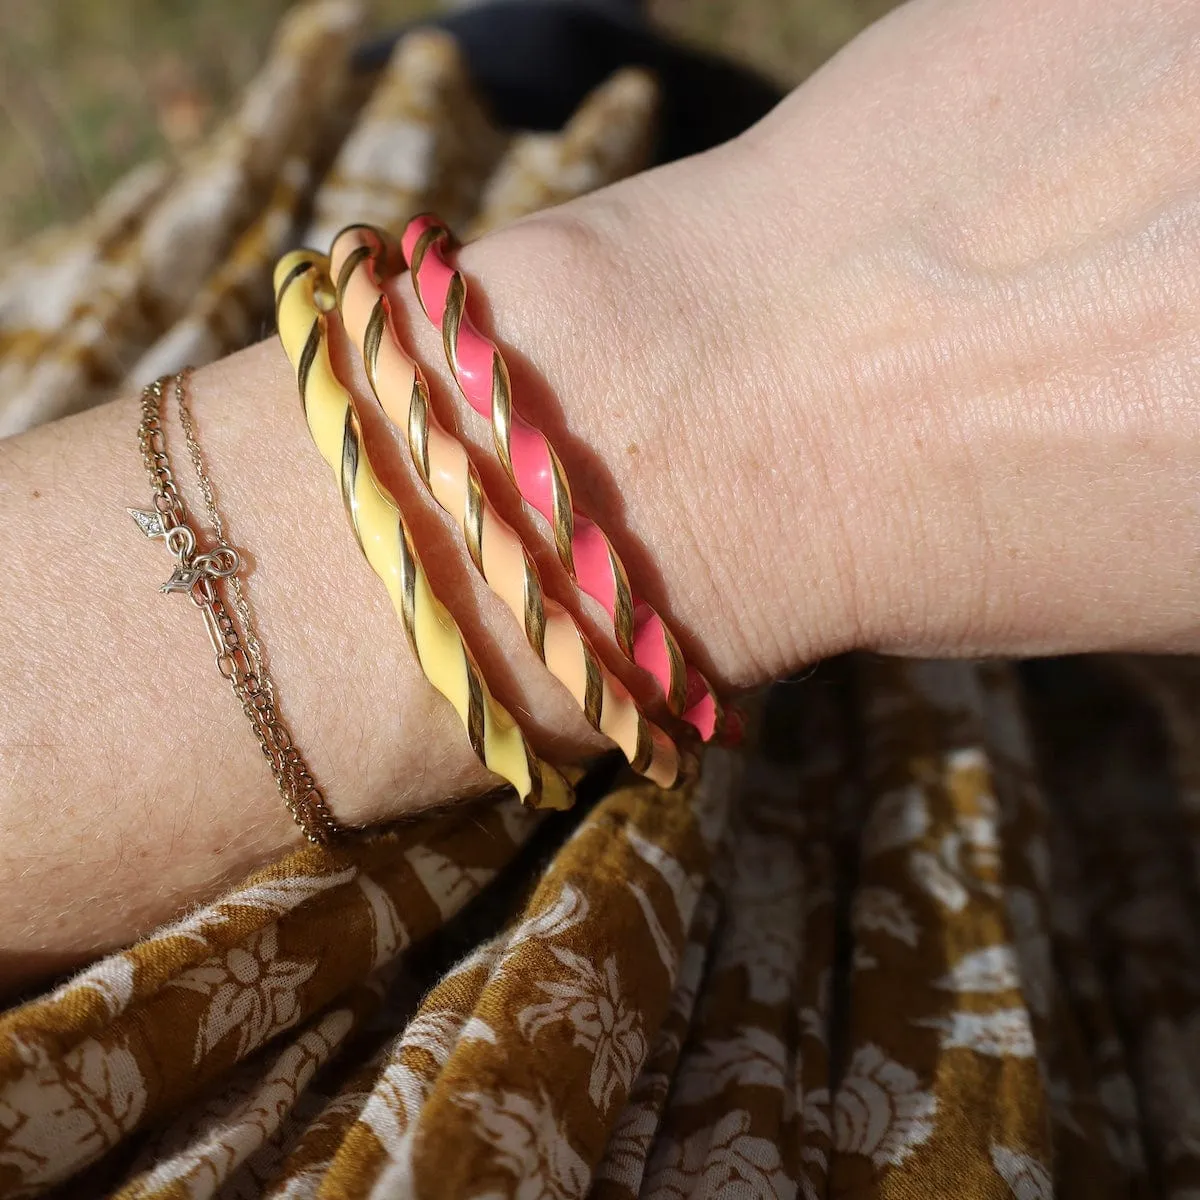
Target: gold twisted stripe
{"x": 534, "y": 468}
{"x": 360, "y": 260}
{"x": 303, "y": 297}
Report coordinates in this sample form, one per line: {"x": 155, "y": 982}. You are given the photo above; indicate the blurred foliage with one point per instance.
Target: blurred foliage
{"x": 90, "y": 87}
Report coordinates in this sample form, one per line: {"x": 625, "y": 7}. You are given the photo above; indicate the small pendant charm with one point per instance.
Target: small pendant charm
{"x": 149, "y": 521}
{"x": 184, "y": 578}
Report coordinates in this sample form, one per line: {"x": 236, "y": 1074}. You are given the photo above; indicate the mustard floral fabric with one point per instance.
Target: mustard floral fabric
{"x": 906, "y": 942}
{"x": 932, "y": 931}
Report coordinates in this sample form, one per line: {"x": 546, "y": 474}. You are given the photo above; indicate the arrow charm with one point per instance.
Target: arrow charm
{"x": 149, "y": 521}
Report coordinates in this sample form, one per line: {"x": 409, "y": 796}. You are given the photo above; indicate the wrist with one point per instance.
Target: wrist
{"x": 629, "y": 341}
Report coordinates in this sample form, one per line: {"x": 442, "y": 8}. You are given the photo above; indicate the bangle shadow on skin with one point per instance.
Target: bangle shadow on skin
{"x": 595, "y": 490}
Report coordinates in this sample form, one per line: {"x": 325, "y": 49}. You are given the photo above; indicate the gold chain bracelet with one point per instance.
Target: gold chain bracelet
{"x": 203, "y": 576}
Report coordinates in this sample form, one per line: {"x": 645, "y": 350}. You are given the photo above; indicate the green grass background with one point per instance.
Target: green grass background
{"x": 90, "y": 87}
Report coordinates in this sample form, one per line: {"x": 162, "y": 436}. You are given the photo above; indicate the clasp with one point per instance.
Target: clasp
{"x": 219, "y": 563}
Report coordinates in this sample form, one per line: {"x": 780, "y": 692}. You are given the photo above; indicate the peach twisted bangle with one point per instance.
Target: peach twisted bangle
{"x": 360, "y": 258}
{"x": 303, "y": 297}
{"x": 536, "y": 472}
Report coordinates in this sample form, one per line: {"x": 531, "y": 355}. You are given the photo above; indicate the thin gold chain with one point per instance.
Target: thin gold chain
{"x": 240, "y": 603}
{"x": 239, "y": 654}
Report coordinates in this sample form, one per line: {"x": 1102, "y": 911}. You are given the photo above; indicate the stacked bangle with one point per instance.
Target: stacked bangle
{"x": 535, "y": 470}
{"x": 304, "y": 296}
{"x": 360, "y": 261}
{"x": 307, "y": 298}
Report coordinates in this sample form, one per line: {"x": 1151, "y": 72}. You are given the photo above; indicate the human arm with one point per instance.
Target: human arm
{"x": 911, "y": 366}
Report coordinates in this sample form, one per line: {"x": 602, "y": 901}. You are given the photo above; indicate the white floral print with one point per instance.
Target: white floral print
{"x": 723, "y": 1160}
{"x": 393, "y": 1105}
{"x": 629, "y": 1143}
{"x": 528, "y": 1145}
{"x": 1004, "y": 1032}
{"x": 818, "y": 1133}
{"x": 604, "y": 1025}
{"x": 937, "y": 874}
{"x": 965, "y": 858}
{"x": 390, "y": 934}
{"x": 111, "y": 980}
{"x": 814, "y": 1020}
{"x": 815, "y": 1110}
{"x": 393, "y": 1108}
{"x": 1061, "y": 1101}
{"x": 449, "y": 885}
{"x": 274, "y": 897}
{"x": 882, "y": 910}
{"x": 265, "y": 1174}
{"x": 897, "y": 819}
{"x": 991, "y": 969}
{"x": 766, "y": 907}
{"x": 1027, "y": 1178}
{"x": 753, "y": 1057}
{"x": 518, "y": 820}
{"x": 863, "y": 960}
{"x": 968, "y": 777}
{"x": 684, "y": 888}
{"x": 59, "y": 1116}
{"x": 879, "y": 1111}
{"x": 570, "y": 908}
{"x": 532, "y": 1058}
{"x": 224, "y": 1140}
{"x": 251, "y": 991}
{"x": 667, "y": 953}
{"x": 436, "y": 1032}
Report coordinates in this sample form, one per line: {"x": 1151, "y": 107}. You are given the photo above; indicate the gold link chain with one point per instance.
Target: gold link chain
{"x": 239, "y": 654}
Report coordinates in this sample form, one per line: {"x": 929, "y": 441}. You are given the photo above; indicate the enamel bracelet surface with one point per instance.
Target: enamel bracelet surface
{"x": 361, "y": 261}
{"x": 304, "y": 296}
{"x": 536, "y": 472}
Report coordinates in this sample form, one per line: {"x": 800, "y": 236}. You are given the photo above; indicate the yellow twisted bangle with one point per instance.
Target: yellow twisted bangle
{"x": 303, "y": 297}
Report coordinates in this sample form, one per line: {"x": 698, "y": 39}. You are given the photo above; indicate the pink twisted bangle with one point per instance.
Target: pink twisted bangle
{"x": 360, "y": 259}
{"x": 537, "y": 473}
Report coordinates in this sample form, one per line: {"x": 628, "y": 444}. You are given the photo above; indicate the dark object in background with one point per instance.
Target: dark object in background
{"x": 535, "y": 60}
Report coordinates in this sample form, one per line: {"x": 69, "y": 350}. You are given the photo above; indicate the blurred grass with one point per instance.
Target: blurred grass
{"x": 88, "y": 88}
{"x": 785, "y": 39}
